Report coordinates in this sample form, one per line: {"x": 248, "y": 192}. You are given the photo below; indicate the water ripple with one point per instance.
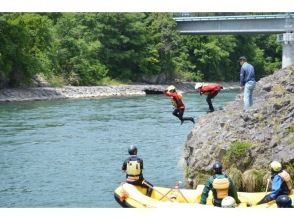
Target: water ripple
{"x": 69, "y": 153}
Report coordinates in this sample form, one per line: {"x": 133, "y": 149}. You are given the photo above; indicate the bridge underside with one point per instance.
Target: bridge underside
{"x": 249, "y": 26}
{"x": 244, "y": 25}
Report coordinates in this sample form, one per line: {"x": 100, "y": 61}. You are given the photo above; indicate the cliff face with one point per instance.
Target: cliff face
{"x": 246, "y": 142}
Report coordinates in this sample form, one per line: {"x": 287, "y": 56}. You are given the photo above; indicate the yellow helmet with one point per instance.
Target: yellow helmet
{"x": 170, "y": 88}
{"x": 198, "y": 85}
{"x": 276, "y": 166}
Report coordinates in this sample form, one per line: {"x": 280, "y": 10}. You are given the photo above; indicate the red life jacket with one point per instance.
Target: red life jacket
{"x": 176, "y": 99}
{"x": 211, "y": 88}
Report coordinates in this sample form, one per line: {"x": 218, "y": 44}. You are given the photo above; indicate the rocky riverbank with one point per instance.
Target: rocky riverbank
{"x": 246, "y": 142}
{"x": 76, "y": 92}
{"x": 72, "y": 92}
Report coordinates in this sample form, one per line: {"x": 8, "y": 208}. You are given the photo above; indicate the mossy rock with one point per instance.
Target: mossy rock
{"x": 278, "y": 89}
{"x": 291, "y": 129}
{"x": 238, "y": 153}
{"x": 253, "y": 180}
{"x": 236, "y": 176}
{"x": 200, "y": 178}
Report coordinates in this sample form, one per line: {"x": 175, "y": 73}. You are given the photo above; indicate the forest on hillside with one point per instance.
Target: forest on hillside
{"x": 112, "y": 48}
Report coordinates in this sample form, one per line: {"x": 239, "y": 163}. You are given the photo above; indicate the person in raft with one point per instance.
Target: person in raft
{"x": 281, "y": 183}
{"x": 211, "y": 90}
{"x": 177, "y": 101}
{"x": 133, "y": 167}
{"x": 221, "y": 186}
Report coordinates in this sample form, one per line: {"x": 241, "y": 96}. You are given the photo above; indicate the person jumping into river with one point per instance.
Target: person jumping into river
{"x": 177, "y": 101}
{"x": 211, "y": 90}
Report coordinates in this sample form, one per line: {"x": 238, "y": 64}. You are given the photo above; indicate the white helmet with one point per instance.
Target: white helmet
{"x": 276, "y": 166}
{"x": 198, "y": 85}
{"x": 170, "y": 88}
{"x": 228, "y": 202}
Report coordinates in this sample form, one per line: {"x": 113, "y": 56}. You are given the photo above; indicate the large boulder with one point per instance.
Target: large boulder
{"x": 246, "y": 140}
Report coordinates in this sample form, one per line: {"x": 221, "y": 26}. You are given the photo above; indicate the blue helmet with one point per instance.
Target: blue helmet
{"x": 284, "y": 201}
{"x": 217, "y": 166}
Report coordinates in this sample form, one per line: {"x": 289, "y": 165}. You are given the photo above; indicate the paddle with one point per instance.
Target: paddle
{"x": 145, "y": 183}
{"x": 178, "y": 188}
{"x": 267, "y": 185}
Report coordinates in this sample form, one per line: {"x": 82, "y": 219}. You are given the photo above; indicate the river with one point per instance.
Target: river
{"x": 69, "y": 153}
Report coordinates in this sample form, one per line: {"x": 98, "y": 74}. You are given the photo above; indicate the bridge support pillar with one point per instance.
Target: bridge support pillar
{"x": 288, "y": 49}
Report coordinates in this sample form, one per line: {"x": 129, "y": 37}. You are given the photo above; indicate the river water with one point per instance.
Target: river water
{"x": 69, "y": 153}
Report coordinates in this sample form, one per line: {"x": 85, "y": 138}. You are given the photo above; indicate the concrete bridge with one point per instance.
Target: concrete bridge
{"x": 282, "y": 24}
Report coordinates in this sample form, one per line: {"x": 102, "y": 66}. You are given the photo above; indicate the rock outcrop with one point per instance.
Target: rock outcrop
{"x": 246, "y": 140}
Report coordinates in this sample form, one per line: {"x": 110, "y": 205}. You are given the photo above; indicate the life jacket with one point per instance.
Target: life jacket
{"x": 133, "y": 170}
{"x": 287, "y": 179}
{"x": 221, "y": 187}
{"x": 177, "y": 100}
{"x": 210, "y": 88}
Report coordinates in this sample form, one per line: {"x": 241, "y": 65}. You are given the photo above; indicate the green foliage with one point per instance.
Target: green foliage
{"x": 236, "y": 176}
{"x": 200, "y": 178}
{"x": 291, "y": 129}
{"x": 77, "y": 49}
{"x": 125, "y": 48}
{"x": 167, "y": 43}
{"x": 238, "y": 149}
{"x": 109, "y": 81}
{"x": 55, "y": 81}
{"x": 25, "y": 45}
{"x": 101, "y": 48}
{"x": 237, "y": 153}
{"x": 253, "y": 180}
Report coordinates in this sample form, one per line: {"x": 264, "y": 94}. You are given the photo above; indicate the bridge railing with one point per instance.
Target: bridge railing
{"x": 210, "y": 14}
{"x": 236, "y": 17}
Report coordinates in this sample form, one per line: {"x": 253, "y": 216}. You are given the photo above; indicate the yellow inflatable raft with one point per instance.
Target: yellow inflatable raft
{"x": 131, "y": 196}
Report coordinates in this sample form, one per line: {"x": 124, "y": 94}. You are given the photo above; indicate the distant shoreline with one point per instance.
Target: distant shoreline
{"x": 78, "y": 92}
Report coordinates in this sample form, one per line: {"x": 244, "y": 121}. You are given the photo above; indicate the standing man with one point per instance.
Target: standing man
{"x": 133, "y": 167}
{"x": 247, "y": 81}
{"x": 211, "y": 90}
{"x": 221, "y": 186}
{"x": 179, "y": 107}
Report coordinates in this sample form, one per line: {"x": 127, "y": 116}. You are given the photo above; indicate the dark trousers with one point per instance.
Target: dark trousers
{"x": 140, "y": 182}
{"x": 208, "y": 100}
{"x": 217, "y": 202}
{"x": 179, "y": 114}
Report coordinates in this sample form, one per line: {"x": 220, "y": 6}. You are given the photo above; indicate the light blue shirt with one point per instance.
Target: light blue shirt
{"x": 276, "y": 186}
{"x": 246, "y": 73}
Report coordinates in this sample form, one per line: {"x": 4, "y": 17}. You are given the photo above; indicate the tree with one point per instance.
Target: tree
{"x": 211, "y": 54}
{"x": 25, "y": 45}
{"x": 124, "y": 44}
{"x": 78, "y": 47}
